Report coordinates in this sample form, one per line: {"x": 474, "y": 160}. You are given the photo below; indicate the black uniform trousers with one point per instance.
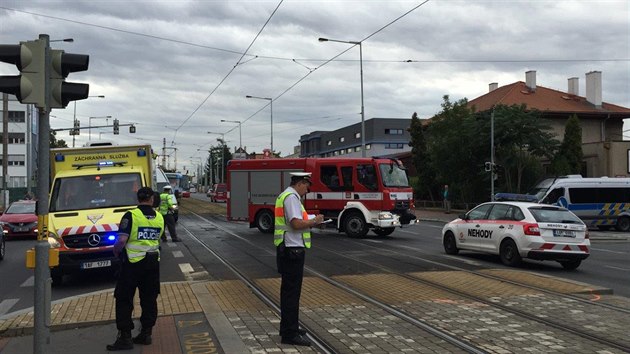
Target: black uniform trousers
{"x": 169, "y": 222}
{"x": 290, "y": 261}
{"x": 144, "y": 275}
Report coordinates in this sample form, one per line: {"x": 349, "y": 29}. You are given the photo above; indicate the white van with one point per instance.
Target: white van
{"x": 600, "y": 202}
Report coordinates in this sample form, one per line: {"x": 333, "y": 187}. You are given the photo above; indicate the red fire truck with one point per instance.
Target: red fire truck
{"x": 359, "y": 194}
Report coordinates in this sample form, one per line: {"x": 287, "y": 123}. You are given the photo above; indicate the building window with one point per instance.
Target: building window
{"x": 358, "y": 148}
{"x": 368, "y": 146}
{"x": 336, "y": 153}
{"x": 357, "y": 135}
{"x": 15, "y": 160}
{"x": 342, "y": 152}
{"x": 17, "y": 138}
{"x": 349, "y": 150}
{"x": 394, "y": 146}
{"x": 17, "y": 116}
{"x": 393, "y": 131}
{"x": 342, "y": 139}
{"x": 329, "y": 142}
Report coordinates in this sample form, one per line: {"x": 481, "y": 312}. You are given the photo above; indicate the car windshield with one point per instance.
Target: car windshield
{"x": 393, "y": 176}
{"x": 221, "y": 188}
{"x": 21, "y": 208}
{"x": 95, "y": 191}
{"x": 557, "y": 215}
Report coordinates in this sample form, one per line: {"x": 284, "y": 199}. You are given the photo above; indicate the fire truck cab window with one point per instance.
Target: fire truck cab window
{"x": 330, "y": 177}
{"x": 346, "y": 174}
{"x": 366, "y": 175}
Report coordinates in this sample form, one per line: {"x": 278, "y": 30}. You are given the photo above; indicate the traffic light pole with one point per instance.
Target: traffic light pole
{"x": 42, "y": 294}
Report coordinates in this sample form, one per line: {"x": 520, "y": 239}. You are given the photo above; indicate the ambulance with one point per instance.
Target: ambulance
{"x": 91, "y": 189}
{"x": 358, "y": 194}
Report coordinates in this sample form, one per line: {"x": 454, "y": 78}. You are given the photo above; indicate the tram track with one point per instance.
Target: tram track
{"x": 319, "y": 342}
{"x": 396, "y": 311}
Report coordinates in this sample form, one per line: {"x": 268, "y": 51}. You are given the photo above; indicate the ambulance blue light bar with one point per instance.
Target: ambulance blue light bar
{"x": 106, "y": 163}
{"x": 142, "y": 152}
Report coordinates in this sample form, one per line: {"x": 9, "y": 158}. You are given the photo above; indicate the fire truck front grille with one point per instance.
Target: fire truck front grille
{"x": 95, "y": 239}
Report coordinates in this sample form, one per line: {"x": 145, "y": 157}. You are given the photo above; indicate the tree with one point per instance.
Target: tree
{"x": 568, "y": 160}
{"x": 420, "y": 158}
{"x": 54, "y": 143}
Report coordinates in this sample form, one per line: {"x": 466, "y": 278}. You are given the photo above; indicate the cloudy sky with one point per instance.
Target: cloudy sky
{"x": 176, "y": 68}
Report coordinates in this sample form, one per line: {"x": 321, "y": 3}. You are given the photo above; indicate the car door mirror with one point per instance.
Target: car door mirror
{"x": 463, "y": 216}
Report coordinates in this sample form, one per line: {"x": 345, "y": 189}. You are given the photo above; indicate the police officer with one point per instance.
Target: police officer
{"x": 167, "y": 210}
{"x": 138, "y": 247}
{"x": 292, "y": 236}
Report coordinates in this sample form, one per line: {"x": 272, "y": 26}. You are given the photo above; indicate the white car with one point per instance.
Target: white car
{"x": 516, "y": 230}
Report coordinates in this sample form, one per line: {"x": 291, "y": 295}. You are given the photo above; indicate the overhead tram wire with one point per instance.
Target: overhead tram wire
{"x": 230, "y": 72}
{"x": 335, "y": 57}
{"x": 270, "y": 57}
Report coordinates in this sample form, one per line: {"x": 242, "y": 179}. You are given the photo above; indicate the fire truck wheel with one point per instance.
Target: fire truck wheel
{"x": 384, "y": 231}
{"x": 264, "y": 221}
{"x": 354, "y": 225}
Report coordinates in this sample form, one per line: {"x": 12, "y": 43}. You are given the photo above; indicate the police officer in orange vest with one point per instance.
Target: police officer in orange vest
{"x": 138, "y": 245}
{"x": 291, "y": 237}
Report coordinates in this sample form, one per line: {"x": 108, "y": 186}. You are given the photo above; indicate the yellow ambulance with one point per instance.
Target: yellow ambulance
{"x": 91, "y": 189}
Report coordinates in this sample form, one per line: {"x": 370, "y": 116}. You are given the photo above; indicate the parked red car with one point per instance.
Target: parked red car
{"x": 218, "y": 193}
{"x": 19, "y": 220}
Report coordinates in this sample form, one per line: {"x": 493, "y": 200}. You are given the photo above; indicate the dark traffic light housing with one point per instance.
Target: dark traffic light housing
{"x": 116, "y": 127}
{"x": 63, "y": 64}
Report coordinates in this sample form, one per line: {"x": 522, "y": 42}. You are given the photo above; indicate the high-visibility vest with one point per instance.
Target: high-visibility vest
{"x": 145, "y": 235}
{"x": 280, "y": 224}
{"x": 165, "y": 203}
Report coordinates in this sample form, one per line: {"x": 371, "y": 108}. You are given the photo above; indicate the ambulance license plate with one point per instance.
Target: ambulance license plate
{"x": 564, "y": 233}
{"x": 97, "y": 264}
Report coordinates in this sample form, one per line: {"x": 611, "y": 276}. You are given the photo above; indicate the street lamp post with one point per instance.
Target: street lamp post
{"x": 90, "y": 124}
{"x": 271, "y": 108}
{"x": 240, "y": 136}
{"x": 361, "y": 68}
{"x": 222, "y": 141}
{"x": 199, "y": 180}
{"x": 75, "y": 115}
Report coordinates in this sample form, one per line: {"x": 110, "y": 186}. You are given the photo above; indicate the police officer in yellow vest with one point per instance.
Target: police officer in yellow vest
{"x": 292, "y": 236}
{"x": 167, "y": 211}
{"x": 138, "y": 247}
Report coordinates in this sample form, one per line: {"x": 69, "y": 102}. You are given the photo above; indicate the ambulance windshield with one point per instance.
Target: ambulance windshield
{"x": 95, "y": 191}
{"x": 393, "y": 176}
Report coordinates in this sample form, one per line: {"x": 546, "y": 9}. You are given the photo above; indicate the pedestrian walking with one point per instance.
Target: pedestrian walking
{"x": 447, "y": 200}
{"x": 292, "y": 237}
{"x": 137, "y": 246}
{"x": 167, "y": 209}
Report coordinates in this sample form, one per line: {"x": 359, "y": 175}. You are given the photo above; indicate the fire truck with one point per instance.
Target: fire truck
{"x": 358, "y": 194}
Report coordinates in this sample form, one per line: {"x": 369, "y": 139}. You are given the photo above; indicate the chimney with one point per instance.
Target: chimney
{"x": 594, "y": 88}
{"x": 530, "y": 80}
{"x": 493, "y": 86}
{"x": 574, "y": 87}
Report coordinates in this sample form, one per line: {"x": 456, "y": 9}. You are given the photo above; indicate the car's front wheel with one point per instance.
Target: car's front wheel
{"x": 509, "y": 253}
{"x": 354, "y": 225}
{"x": 623, "y": 224}
{"x": 450, "y": 244}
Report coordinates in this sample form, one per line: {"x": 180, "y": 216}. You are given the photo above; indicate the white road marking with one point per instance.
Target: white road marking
{"x": 464, "y": 260}
{"x": 178, "y": 254}
{"x": 618, "y": 268}
{"x": 186, "y": 268}
{"x": 375, "y": 241}
{"x": 172, "y": 244}
{"x": 6, "y": 305}
{"x": 29, "y": 282}
{"x": 604, "y": 250}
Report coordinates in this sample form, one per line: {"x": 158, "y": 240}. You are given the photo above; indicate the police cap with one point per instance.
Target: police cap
{"x": 168, "y": 186}
{"x": 299, "y": 176}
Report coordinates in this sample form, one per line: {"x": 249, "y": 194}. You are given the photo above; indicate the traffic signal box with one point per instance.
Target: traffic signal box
{"x": 30, "y": 85}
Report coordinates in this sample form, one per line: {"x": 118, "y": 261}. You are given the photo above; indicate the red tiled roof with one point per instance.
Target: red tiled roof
{"x": 545, "y": 100}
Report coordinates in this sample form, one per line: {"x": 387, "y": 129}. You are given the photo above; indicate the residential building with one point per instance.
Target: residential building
{"x": 605, "y": 151}
{"x": 383, "y": 136}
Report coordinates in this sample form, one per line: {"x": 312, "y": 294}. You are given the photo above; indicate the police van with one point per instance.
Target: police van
{"x": 600, "y": 202}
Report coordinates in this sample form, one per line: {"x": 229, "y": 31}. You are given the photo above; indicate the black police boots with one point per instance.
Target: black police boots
{"x": 144, "y": 337}
{"x": 123, "y": 342}
{"x": 296, "y": 340}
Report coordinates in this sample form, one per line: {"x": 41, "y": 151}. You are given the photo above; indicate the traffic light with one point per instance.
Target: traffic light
{"x": 116, "y": 127}
{"x": 77, "y": 127}
{"x": 29, "y": 57}
{"x": 132, "y": 129}
{"x": 62, "y": 64}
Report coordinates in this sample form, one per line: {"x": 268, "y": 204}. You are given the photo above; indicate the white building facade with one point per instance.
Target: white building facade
{"x": 20, "y": 151}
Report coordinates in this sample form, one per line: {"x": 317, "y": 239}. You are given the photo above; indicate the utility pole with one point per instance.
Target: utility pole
{"x": 5, "y": 147}
{"x": 164, "y": 153}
